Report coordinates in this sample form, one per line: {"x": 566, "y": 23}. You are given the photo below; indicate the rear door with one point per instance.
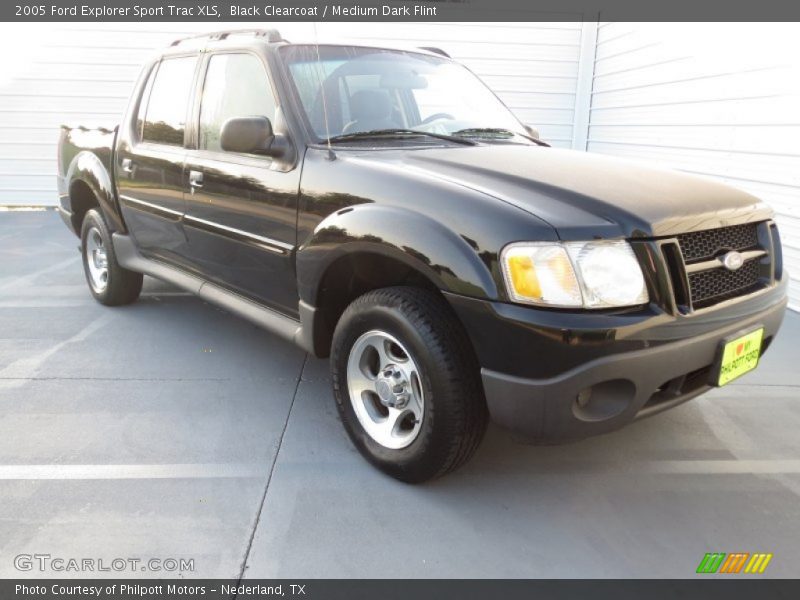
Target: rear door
{"x": 149, "y": 167}
{"x": 241, "y": 209}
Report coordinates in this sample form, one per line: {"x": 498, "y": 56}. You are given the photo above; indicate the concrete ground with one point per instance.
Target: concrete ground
{"x": 170, "y": 429}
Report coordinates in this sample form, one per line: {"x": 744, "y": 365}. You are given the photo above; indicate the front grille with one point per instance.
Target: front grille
{"x": 705, "y": 245}
{"x": 700, "y": 280}
{"x": 716, "y": 285}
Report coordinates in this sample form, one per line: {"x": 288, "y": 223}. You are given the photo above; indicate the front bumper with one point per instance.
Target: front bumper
{"x": 610, "y": 375}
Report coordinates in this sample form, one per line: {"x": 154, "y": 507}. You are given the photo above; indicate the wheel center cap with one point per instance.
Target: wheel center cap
{"x": 392, "y": 387}
{"x": 99, "y": 258}
{"x": 384, "y": 389}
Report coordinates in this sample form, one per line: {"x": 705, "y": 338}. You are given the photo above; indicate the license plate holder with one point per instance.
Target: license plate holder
{"x": 737, "y": 355}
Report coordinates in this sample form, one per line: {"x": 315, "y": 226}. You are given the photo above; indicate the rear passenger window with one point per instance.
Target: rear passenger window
{"x": 236, "y": 85}
{"x": 165, "y": 119}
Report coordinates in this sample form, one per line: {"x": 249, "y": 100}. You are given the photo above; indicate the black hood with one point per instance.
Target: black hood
{"x": 582, "y": 194}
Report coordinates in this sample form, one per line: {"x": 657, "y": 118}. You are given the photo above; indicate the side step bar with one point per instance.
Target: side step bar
{"x": 286, "y": 327}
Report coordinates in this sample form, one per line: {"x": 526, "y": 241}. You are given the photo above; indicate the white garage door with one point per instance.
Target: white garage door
{"x": 719, "y": 100}
{"x": 83, "y": 73}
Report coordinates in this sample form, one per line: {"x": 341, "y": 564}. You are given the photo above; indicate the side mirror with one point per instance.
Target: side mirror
{"x": 532, "y": 131}
{"x": 250, "y": 135}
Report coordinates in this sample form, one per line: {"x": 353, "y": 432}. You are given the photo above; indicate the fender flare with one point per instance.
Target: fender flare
{"x": 446, "y": 258}
{"x": 87, "y": 168}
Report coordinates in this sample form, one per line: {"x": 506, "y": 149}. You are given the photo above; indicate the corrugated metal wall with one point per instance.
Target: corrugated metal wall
{"x": 84, "y": 72}
{"x": 718, "y": 100}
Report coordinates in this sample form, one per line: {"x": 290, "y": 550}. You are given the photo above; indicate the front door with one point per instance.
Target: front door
{"x": 241, "y": 209}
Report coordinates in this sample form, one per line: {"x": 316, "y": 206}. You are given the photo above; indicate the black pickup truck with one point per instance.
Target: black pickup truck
{"x": 384, "y": 208}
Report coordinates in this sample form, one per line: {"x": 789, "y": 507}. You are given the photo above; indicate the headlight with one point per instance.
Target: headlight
{"x": 598, "y": 274}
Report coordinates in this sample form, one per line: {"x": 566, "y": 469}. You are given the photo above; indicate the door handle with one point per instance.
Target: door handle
{"x": 127, "y": 165}
{"x": 195, "y": 180}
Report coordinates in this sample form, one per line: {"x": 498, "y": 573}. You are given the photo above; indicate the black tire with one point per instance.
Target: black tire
{"x": 454, "y": 413}
{"x": 121, "y": 285}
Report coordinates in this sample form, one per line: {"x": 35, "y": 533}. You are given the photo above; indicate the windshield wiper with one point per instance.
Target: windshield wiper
{"x": 389, "y": 133}
{"x": 496, "y": 133}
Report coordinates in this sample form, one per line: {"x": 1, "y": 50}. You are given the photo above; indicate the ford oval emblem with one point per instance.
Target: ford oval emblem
{"x": 732, "y": 260}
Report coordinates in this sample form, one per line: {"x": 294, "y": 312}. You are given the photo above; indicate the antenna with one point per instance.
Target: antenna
{"x": 331, "y": 155}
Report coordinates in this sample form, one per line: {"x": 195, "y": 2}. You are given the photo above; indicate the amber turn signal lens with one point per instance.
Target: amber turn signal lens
{"x": 523, "y": 276}
{"x": 540, "y": 274}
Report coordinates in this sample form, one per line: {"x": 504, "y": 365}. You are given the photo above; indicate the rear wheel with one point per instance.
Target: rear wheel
{"x": 109, "y": 283}
{"x": 407, "y": 384}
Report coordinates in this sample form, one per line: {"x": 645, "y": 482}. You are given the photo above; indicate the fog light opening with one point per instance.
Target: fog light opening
{"x": 604, "y": 400}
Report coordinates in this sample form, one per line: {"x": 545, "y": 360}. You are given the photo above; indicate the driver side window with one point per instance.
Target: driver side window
{"x": 236, "y": 85}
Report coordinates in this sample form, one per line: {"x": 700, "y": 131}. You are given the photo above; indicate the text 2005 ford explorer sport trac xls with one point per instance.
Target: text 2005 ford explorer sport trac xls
{"x": 384, "y": 208}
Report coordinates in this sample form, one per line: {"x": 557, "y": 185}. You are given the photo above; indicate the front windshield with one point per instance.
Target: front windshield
{"x": 347, "y": 90}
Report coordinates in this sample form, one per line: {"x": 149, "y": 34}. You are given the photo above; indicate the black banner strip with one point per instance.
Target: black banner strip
{"x": 267, "y": 11}
{"x": 705, "y": 587}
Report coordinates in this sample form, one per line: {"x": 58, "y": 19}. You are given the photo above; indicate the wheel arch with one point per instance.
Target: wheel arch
{"x": 90, "y": 186}
{"x": 368, "y": 247}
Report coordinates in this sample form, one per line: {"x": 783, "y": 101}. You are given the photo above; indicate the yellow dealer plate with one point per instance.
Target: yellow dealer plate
{"x": 739, "y": 356}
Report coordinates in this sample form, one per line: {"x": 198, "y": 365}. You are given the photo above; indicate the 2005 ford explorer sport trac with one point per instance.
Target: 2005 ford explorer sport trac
{"x": 384, "y": 208}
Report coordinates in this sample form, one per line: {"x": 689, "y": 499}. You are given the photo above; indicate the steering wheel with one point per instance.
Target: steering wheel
{"x": 434, "y": 117}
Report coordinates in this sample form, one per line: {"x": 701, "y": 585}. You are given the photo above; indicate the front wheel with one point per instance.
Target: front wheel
{"x": 407, "y": 384}
{"x": 109, "y": 283}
